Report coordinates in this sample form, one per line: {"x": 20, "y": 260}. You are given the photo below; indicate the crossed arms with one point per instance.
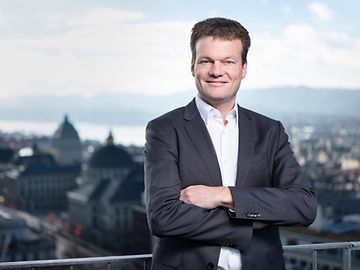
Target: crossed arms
{"x": 200, "y": 212}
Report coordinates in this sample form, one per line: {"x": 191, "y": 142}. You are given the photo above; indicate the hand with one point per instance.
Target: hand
{"x": 207, "y": 197}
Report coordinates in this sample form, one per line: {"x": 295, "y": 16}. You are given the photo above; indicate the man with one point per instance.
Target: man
{"x": 220, "y": 179}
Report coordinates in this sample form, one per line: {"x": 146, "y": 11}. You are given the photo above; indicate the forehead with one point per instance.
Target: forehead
{"x": 217, "y": 47}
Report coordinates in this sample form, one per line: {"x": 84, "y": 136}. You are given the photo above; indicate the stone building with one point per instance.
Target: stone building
{"x": 40, "y": 180}
{"x": 41, "y": 184}
{"x": 66, "y": 144}
{"x": 19, "y": 243}
{"x": 102, "y": 208}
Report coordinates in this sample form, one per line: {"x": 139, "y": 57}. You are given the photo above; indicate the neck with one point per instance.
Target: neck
{"x": 223, "y": 107}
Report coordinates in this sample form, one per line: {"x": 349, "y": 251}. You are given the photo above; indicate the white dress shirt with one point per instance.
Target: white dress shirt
{"x": 225, "y": 138}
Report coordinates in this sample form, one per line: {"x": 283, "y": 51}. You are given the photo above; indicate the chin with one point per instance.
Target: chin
{"x": 217, "y": 100}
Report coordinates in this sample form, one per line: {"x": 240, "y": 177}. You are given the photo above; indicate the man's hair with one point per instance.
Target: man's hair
{"x": 220, "y": 28}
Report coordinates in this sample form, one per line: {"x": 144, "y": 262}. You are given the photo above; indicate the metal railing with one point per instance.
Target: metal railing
{"x": 145, "y": 259}
{"x": 347, "y": 248}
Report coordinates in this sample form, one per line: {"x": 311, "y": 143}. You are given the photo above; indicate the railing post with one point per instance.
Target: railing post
{"x": 147, "y": 264}
{"x": 314, "y": 259}
{"x": 347, "y": 258}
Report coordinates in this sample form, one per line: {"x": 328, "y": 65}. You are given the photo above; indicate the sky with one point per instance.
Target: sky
{"x": 89, "y": 48}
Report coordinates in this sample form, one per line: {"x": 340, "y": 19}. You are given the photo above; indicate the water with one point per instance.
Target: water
{"x": 126, "y": 135}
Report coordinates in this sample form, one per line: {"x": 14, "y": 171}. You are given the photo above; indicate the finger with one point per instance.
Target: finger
{"x": 182, "y": 195}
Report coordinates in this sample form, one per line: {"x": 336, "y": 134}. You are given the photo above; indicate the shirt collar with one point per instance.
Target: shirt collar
{"x": 205, "y": 109}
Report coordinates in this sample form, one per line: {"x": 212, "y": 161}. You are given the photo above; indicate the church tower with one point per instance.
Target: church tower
{"x": 66, "y": 144}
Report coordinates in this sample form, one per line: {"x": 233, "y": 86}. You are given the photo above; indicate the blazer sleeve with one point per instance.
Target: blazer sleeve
{"x": 290, "y": 199}
{"x": 168, "y": 216}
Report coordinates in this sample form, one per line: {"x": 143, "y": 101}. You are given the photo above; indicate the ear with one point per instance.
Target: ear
{"x": 244, "y": 71}
{"x": 193, "y": 69}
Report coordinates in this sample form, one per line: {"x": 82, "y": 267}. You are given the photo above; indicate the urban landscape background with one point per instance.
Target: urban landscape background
{"x": 80, "y": 81}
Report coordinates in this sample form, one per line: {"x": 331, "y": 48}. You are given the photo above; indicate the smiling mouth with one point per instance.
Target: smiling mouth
{"x": 216, "y": 83}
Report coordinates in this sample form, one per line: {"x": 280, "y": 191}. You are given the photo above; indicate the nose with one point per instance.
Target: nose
{"x": 216, "y": 69}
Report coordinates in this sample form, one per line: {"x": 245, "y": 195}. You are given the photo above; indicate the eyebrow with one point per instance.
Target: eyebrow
{"x": 224, "y": 59}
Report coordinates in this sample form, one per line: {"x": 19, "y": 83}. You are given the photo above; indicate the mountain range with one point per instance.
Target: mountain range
{"x": 135, "y": 109}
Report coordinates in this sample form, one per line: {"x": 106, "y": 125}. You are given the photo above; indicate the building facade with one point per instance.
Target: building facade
{"x": 19, "y": 243}
{"x": 102, "y": 208}
{"x": 41, "y": 184}
{"x": 67, "y": 144}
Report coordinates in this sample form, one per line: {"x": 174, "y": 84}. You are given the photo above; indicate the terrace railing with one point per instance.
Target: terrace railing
{"x": 144, "y": 261}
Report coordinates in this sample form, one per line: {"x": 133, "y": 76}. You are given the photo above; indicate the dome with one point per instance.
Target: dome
{"x": 66, "y": 130}
{"x": 110, "y": 156}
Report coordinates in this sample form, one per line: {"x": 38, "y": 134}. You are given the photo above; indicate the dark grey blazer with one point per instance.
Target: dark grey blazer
{"x": 270, "y": 188}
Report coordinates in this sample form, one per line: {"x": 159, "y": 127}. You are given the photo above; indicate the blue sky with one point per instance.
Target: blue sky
{"x": 73, "y": 47}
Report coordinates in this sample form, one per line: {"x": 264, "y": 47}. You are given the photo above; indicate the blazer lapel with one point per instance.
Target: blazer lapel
{"x": 199, "y": 135}
{"x": 246, "y": 146}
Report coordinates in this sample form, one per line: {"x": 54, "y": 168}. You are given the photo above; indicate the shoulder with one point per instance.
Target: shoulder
{"x": 258, "y": 117}
{"x": 167, "y": 120}
{"x": 175, "y": 117}
{"x": 262, "y": 123}
{"x": 265, "y": 128}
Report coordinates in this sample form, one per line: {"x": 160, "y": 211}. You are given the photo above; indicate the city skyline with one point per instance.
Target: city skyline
{"x": 89, "y": 48}
{"x": 328, "y": 149}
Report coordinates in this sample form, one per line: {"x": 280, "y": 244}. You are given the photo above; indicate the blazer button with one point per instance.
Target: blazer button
{"x": 210, "y": 266}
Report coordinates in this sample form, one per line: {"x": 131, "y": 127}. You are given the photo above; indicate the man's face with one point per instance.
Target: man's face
{"x": 218, "y": 70}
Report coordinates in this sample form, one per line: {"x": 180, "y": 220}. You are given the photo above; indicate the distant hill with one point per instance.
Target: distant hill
{"x": 302, "y": 100}
{"x": 128, "y": 109}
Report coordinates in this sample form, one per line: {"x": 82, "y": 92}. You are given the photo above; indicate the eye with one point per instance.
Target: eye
{"x": 229, "y": 62}
{"x": 204, "y": 61}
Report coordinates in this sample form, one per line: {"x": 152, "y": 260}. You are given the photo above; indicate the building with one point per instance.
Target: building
{"x": 143, "y": 241}
{"x": 330, "y": 259}
{"x": 41, "y": 184}
{"x": 7, "y": 157}
{"x": 102, "y": 208}
{"x": 66, "y": 144}
{"x": 18, "y": 242}
{"x": 39, "y": 180}
{"x": 333, "y": 209}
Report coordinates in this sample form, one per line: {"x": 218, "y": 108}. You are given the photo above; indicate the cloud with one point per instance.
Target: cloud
{"x": 321, "y": 11}
{"x": 112, "y": 50}
{"x": 105, "y": 17}
{"x": 102, "y": 50}
{"x": 302, "y": 55}
{"x": 5, "y": 26}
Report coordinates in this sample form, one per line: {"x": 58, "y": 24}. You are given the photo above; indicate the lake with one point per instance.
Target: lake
{"x": 125, "y": 135}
